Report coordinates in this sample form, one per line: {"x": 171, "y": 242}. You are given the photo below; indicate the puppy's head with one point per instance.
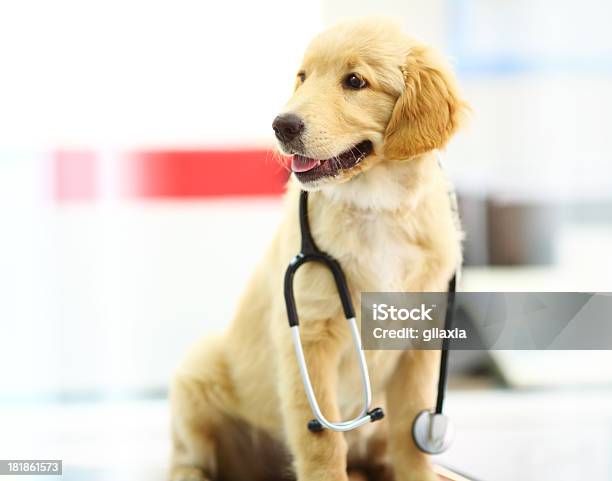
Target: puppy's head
{"x": 365, "y": 94}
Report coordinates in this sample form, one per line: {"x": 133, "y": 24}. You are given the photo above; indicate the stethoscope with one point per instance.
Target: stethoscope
{"x": 431, "y": 430}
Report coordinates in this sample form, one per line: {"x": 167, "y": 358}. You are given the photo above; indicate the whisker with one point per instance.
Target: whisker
{"x": 280, "y": 159}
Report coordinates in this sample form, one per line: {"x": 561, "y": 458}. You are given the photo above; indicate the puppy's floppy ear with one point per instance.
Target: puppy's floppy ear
{"x": 429, "y": 110}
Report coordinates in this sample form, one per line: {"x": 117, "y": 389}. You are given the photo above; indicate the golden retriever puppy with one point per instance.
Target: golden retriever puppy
{"x": 370, "y": 107}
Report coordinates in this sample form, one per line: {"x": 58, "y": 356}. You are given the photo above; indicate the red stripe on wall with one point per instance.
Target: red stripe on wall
{"x": 204, "y": 173}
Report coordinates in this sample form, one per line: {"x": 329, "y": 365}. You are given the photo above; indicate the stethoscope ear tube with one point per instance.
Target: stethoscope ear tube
{"x": 333, "y": 265}
{"x": 310, "y": 253}
{"x": 320, "y": 422}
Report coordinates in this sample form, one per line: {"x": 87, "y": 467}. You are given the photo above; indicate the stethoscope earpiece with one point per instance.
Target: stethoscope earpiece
{"x": 376, "y": 414}
{"x": 432, "y": 432}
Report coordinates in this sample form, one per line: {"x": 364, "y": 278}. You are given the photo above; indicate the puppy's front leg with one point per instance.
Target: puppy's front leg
{"x": 317, "y": 456}
{"x": 410, "y": 390}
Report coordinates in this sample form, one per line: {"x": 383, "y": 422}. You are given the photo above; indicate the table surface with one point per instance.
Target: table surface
{"x": 500, "y": 434}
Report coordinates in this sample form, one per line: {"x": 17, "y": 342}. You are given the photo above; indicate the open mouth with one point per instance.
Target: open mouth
{"x": 309, "y": 170}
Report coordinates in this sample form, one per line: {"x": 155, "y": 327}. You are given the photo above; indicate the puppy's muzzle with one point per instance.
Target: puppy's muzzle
{"x": 288, "y": 128}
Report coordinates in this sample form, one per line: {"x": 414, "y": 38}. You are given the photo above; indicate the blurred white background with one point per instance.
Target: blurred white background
{"x": 102, "y": 292}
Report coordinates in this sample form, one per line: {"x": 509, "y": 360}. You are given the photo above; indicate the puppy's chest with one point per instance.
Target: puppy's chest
{"x": 379, "y": 254}
{"x": 384, "y": 256}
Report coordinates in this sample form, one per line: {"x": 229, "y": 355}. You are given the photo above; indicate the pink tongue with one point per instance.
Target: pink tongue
{"x": 303, "y": 164}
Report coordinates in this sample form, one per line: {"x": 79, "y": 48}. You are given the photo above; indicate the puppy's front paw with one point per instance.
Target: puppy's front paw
{"x": 182, "y": 473}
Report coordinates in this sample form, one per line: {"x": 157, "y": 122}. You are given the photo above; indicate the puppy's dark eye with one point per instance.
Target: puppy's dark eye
{"x": 353, "y": 81}
{"x": 302, "y": 76}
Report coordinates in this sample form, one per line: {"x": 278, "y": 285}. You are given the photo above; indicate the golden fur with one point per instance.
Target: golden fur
{"x": 238, "y": 404}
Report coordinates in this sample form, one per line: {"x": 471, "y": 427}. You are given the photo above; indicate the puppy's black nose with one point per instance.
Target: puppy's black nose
{"x": 287, "y": 127}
